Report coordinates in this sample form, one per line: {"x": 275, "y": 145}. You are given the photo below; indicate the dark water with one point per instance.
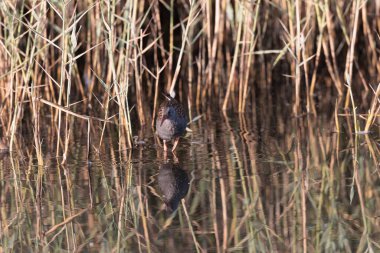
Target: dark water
{"x": 258, "y": 182}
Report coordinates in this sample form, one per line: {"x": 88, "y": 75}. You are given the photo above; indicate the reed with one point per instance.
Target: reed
{"x": 98, "y": 55}
{"x": 93, "y": 71}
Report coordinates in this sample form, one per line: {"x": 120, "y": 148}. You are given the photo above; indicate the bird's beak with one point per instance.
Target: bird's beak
{"x": 164, "y": 117}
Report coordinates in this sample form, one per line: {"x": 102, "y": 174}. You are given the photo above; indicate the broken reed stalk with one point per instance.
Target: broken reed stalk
{"x": 66, "y": 221}
{"x": 64, "y": 109}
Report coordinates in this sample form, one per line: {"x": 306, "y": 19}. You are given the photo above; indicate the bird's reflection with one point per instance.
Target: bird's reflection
{"x": 173, "y": 182}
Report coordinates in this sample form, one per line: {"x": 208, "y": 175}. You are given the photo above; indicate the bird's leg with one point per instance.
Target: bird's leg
{"x": 165, "y": 147}
{"x": 165, "y": 156}
{"x": 175, "y": 158}
{"x": 175, "y": 143}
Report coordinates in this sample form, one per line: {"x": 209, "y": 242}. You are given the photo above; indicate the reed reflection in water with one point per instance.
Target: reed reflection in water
{"x": 277, "y": 184}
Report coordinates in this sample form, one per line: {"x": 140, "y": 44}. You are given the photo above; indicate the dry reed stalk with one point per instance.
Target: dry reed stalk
{"x": 5, "y": 81}
{"x": 40, "y": 19}
{"x": 373, "y": 112}
{"x": 64, "y": 109}
{"x": 331, "y": 39}
{"x": 372, "y": 54}
{"x": 217, "y": 57}
{"x": 348, "y": 72}
{"x": 337, "y": 126}
{"x": 67, "y": 220}
{"x": 308, "y": 53}
{"x": 138, "y": 78}
{"x": 210, "y": 39}
{"x": 321, "y": 14}
{"x": 236, "y": 55}
{"x": 316, "y": 65}
{"x": 354, "y": 108}
{"x": 193, "y": 14}
{"x": 64, "y": 56}
{"x": 190, "y": 78}
{"x": 157, "y": 79}
{"x": 214, "y": 39}
{"x": 171, "y": 45}
{"x": 108, "y": 18}
{"x": 373, "y": 149}
{"x": 252, "y": 44}
{"x": 299, "y": 44}
{"x": 157, "y": 18}
{"x": 243, "y": 63}
{"x": 27, "y": 44}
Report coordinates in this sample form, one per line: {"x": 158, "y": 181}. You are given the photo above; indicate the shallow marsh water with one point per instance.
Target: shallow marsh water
{"x": 257, "y": 182}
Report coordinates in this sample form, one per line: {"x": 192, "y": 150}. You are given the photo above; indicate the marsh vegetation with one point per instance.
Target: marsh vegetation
{"x": 283, "y": 153}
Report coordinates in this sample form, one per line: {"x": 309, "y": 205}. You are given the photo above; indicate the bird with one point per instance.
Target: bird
{"x": 174, "y": 184}
{"x": 171, "y": 121}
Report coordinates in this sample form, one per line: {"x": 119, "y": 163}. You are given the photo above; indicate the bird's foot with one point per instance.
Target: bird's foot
{"x": 175, "y": 144}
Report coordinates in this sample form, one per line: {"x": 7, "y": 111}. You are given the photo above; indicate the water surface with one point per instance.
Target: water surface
{"x": 255, "y": 182}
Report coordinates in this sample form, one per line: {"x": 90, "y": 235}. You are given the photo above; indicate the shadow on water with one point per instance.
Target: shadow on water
{"x": 258, "y": 184}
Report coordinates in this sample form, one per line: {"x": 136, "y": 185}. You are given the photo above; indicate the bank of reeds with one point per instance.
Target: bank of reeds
{"x": 110, "y": 60}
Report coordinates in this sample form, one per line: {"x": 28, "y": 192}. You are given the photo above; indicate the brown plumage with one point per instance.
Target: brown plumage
{"x": 171, "y": 121}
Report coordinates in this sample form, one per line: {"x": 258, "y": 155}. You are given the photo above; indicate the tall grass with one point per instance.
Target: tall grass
{"x": 106, "y": 59}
